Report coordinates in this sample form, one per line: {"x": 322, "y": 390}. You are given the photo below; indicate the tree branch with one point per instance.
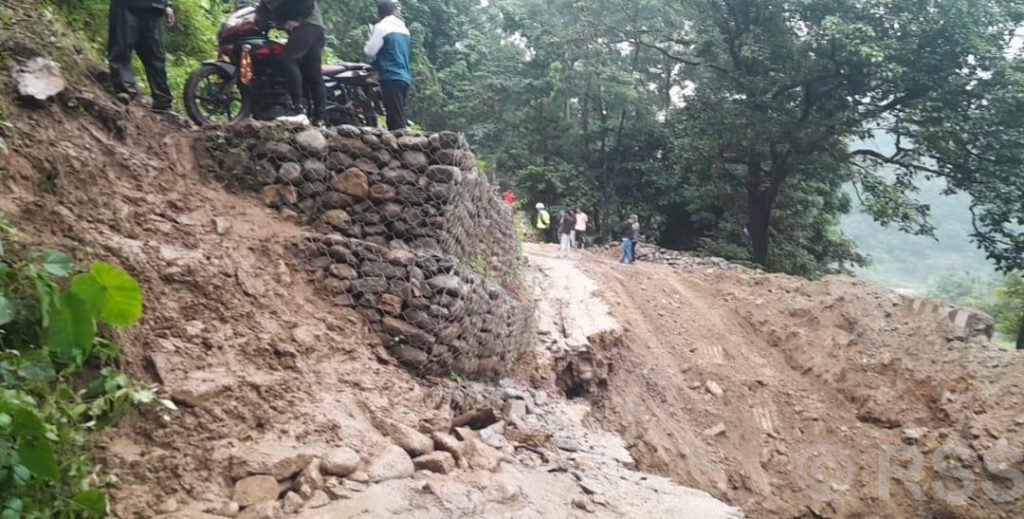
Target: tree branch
{"x": 896, "y": 162}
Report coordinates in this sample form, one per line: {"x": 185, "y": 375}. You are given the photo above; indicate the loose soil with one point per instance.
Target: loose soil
{"x": 779, "y": 394}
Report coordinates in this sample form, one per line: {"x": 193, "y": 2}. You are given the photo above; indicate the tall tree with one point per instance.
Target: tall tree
{"x": 784, "y": 83}
{"x": 730, "y": 125}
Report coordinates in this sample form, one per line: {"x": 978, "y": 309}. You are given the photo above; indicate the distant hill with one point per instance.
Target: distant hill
{"x": 901, "y": 260}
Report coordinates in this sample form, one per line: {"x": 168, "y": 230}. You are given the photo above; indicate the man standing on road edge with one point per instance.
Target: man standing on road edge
{"x": 138, "y": 26}
{"x": 566, "y": 224}
{"x": 627, "y": 231}
{"x": 579, "y": 234}
{"x": 543, "y": 222}
{"x": 636, "y": 234}
{"x": 388, "y": 50}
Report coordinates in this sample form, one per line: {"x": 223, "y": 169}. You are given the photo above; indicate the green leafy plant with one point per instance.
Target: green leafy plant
{"x": 56, "y": 385}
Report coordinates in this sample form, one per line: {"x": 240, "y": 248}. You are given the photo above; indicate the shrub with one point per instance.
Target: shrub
{"x": 56, "y": 381}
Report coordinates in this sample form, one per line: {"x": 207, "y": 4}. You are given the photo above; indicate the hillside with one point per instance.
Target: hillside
{"x": 919, "y": 263}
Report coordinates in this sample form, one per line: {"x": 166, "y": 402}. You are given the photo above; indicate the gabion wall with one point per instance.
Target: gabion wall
{"x": 407, "y": 232}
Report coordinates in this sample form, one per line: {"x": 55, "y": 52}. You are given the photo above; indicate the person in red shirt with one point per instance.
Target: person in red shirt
{"x": 510, "y": 197}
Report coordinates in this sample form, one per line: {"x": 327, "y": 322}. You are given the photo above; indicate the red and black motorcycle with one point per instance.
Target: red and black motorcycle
{"x": 245, "y": 81}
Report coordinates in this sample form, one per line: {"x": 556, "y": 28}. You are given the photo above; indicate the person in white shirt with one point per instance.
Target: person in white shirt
{"x": 388, "y": 50}
{"x": 579, "y": 233}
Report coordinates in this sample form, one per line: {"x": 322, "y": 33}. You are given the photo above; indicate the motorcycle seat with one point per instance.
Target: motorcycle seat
{"x": 335, "y": 69}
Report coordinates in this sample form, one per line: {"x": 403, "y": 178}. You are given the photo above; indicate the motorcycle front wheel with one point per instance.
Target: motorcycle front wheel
{"x": 212, "y": 98}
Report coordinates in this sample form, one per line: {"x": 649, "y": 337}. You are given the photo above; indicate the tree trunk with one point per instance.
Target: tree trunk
{"x": 759, "y": 209}
{"x": 759, "y": 213}
{"x": 1020, "y": 334}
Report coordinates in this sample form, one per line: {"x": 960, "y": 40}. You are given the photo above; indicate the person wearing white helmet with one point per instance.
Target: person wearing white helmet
{"x": 543, "y": 221}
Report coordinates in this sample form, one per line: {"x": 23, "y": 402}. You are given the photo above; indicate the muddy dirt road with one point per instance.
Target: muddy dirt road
{"x": 782, "y": 395}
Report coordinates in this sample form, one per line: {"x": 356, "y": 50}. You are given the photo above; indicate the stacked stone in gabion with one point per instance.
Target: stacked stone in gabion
{"x": 408, "y": 232}
{"x": 434, "y": 315}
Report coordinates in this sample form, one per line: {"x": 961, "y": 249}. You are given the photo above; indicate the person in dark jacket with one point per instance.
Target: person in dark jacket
{"x": 302, "y": 62}
{"x": 566, "y": 223}
{"x": 137, "y": 26}
{"x": 388, "y": 50}
{"x": 628, "y": 231}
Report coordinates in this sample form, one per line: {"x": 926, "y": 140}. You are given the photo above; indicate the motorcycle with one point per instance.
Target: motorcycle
{"x": 245, "y": 81}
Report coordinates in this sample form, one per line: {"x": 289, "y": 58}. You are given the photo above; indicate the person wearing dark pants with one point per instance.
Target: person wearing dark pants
{"x": 303, "y": 65}
{"x": 302, "y": 61}
{"x": 138, "y": 26}
{"x": 388, "y": 49}
{"x": 394, "y": 93}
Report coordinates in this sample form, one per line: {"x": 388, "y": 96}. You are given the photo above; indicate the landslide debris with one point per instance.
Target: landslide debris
{"x": 788, "y": 397}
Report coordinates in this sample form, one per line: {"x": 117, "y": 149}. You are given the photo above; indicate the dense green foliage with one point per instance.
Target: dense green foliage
{"x": 731, "y": 126}
{"x": 1002, "y": 298}
{"x": 1007, "y": 307}
{"x": 56, "y": 382}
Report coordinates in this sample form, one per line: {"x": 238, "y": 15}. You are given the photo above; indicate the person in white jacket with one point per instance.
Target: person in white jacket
{"x": 388, "y": 50}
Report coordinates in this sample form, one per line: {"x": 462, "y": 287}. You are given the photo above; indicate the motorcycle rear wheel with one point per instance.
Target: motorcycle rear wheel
{"x": 210, "y": 98}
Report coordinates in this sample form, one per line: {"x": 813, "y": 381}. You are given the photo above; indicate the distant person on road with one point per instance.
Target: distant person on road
{"x": 543, "y": 222}
{"x": 628, "y": 233}
{"x": 636, "y": 233}
{"x": 138, "y": 26}
{"x": 388, "y": 50}
{"x": 579, "y": 233}
{"x": 566, "y": 224}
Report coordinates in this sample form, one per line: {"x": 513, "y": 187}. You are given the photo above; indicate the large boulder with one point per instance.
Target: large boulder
{"x": 413, "y": 441}
{"x": 340, "y": 462}
{"x": 440, "y": 462}
{"x": 40, "y": 79}
{"x": 255, "y": 489}
{"x": 391, "y": 463}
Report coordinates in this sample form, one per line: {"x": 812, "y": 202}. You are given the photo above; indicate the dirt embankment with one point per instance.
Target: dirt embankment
{"x": 793, "y": 398}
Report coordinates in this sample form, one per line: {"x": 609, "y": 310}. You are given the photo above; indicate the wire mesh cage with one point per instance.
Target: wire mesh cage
{"x": 405, "y": 230}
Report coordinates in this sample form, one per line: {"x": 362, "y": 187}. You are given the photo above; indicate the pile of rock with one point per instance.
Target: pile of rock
{"x": 432, "y": 313}
{"x": 409, "y": 233}
{"x": 673, "y": 258}
{"x": 424, "y": 190}
{"x": 273, "y": 481}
